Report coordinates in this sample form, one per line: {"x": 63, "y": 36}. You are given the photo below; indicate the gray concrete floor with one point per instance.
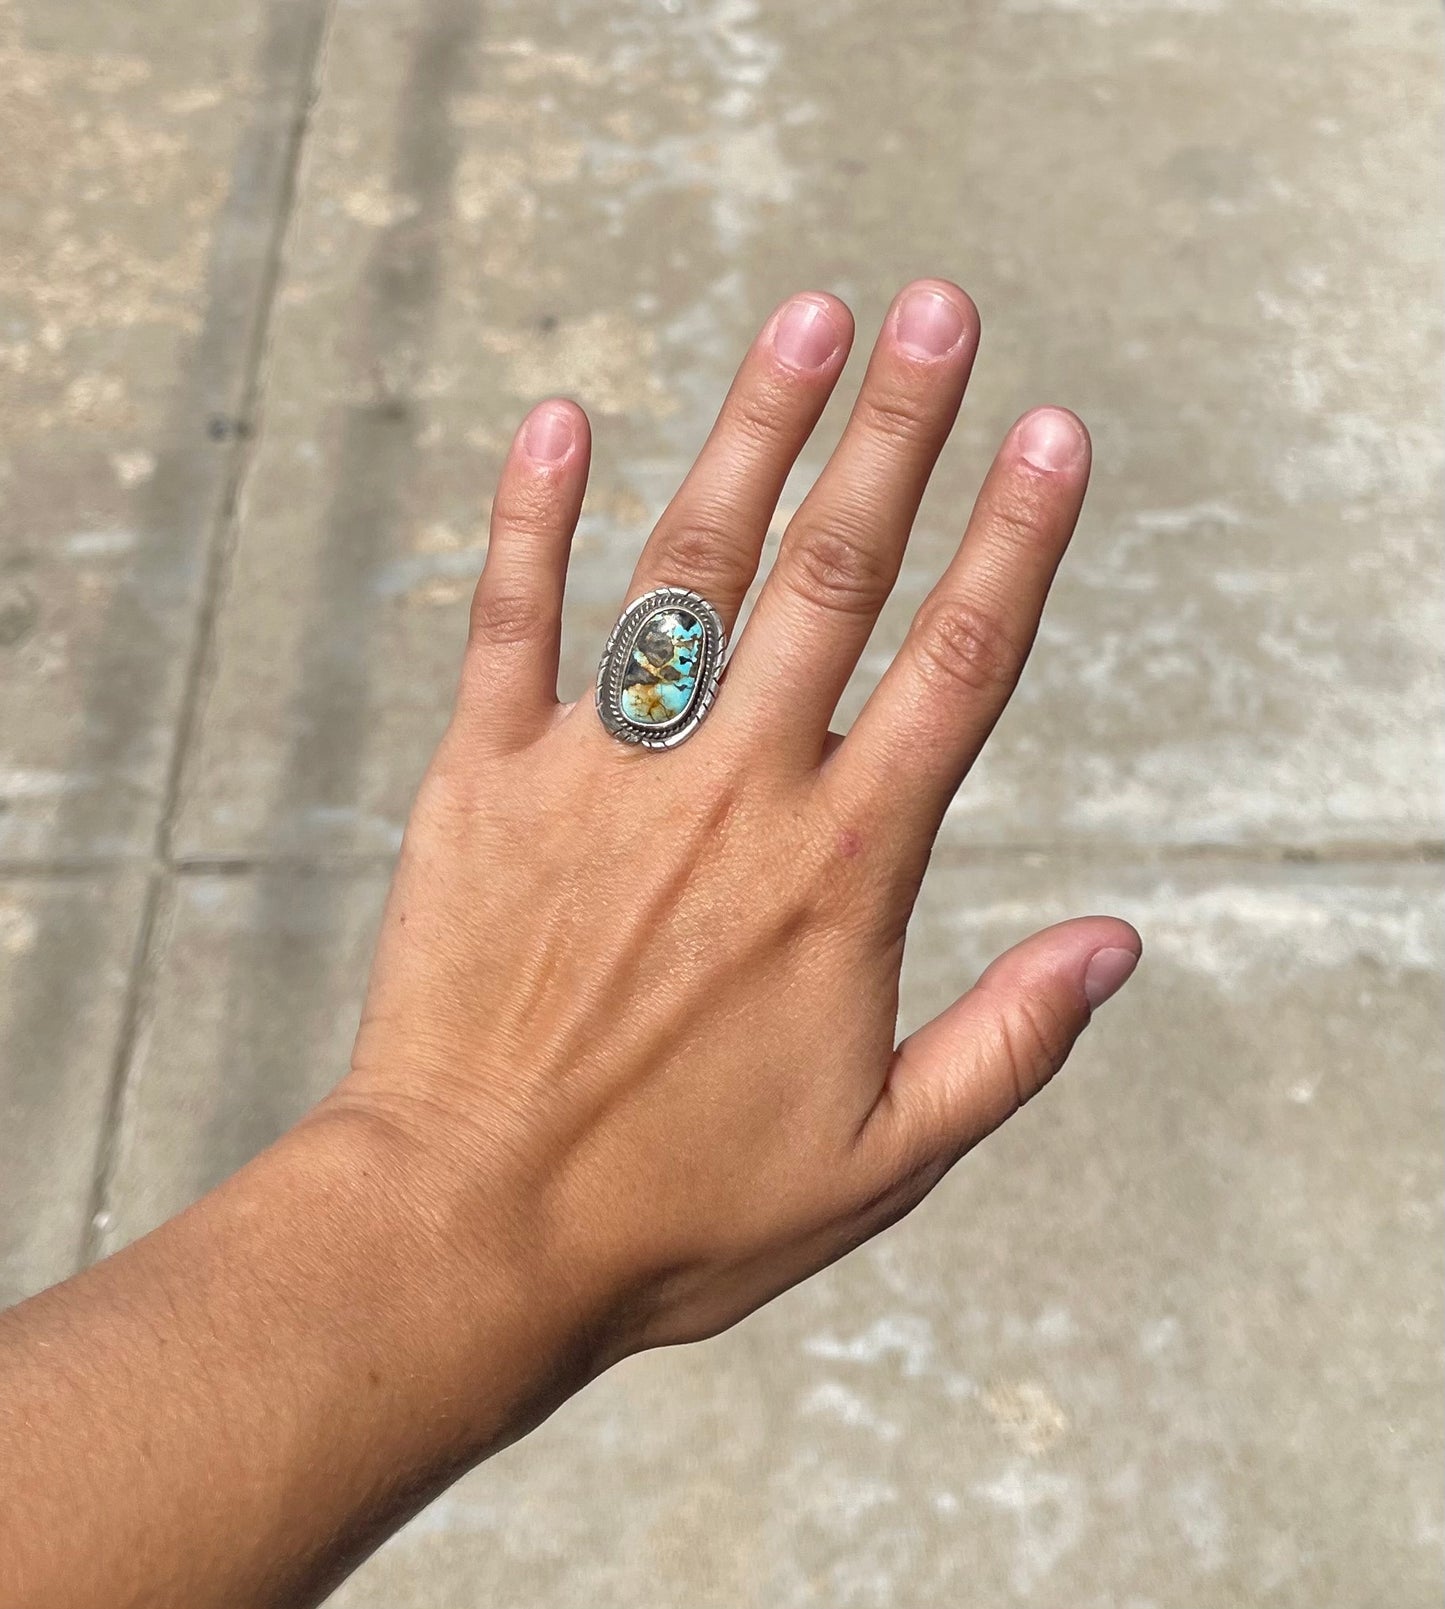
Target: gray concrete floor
{"x": 276, "y": 279}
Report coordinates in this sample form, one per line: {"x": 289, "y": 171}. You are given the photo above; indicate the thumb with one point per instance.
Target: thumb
{"x": 970, "y": 1069}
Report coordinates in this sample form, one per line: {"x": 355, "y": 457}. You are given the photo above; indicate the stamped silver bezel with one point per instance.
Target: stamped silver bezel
{"x": 614, "y": 662}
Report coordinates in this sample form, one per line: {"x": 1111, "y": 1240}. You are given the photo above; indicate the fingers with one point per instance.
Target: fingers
{"x": 841, "y": 553}
{"x": 712, "y": 533}
{"x": 970, "y": 1069}
{"x": 509, "y": 678}
{"x": 928, "y": 717}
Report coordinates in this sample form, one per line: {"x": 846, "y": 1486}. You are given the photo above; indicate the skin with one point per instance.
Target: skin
{"x": 626, "y": 1068}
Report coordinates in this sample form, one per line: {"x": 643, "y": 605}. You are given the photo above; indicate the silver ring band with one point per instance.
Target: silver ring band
{"x": 659, "y": 671}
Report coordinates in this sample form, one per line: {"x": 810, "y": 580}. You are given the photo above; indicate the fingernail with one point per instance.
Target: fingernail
{"x": 549, "y": 435}
{"x": 806, "y": 336}
{"x": 1051, "y": 439}
{"x": 1107, "y": 972}
{"x": 928, "y": 325}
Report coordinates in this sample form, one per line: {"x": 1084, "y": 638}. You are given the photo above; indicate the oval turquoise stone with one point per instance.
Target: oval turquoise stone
{"x": 660, "y": 680}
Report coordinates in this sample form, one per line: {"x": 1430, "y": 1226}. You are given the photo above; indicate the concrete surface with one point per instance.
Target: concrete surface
{"x": 67, "y": 946}
{"x": 1171, "y": 1340}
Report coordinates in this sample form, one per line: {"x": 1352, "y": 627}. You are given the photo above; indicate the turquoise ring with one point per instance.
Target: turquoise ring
{"x": 660, "y": 669}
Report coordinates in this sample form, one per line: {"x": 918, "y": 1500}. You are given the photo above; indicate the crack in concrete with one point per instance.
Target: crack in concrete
{"x": 262, "y": 194}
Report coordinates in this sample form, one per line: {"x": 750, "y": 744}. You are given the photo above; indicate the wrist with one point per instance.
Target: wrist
{"x": 464, "y": 1291}
{"x": 294, "y": 1364}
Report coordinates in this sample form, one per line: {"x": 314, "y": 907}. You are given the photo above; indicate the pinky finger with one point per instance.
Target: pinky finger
{"x": 509, "y": 679}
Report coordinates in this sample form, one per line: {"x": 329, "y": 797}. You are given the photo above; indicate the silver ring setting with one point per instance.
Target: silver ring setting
{"x": 660, "y": 669}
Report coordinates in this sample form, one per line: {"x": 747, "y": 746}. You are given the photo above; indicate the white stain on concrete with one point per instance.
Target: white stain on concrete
{"x": 1049, "y": 1510}
{"x": 1198, "y": 1509}
{"x": 906, "y": 1338}
{"x": 99, "y": 544}
{"x": 18, "y": 929}
{"x": 1238, "y": 934}
{"x": 1188, "y": 519}
{"x": 1157, "y": 1336}
{"x": 832, "y": 1399}
{"x": 134, "y": 467}
{"x": 18, "y": 782}
{"x": 1055, "y": 1326}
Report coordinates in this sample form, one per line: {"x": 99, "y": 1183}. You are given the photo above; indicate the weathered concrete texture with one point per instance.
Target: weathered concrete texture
{"x": 56, "y": 1068}
{"x": 1171, "y": 1338}
{"x": 1206, "y": 227}
{"x": 147, "y": 152}
{"x": 259, "y": 983}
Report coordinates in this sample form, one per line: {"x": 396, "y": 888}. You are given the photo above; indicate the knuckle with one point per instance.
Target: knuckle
{"x": 839, "y": 569}
{"x": 524, "y": 515}
{"x": 966, "y": 646}
{"x": 756, "y": 418}
{"x": 1034, "y": 1040}
{"x": 702, "y": 549}
{"x": 1019, "y": 523}
{"x": 506, "y": 613}
{"x": 896, "y": 415}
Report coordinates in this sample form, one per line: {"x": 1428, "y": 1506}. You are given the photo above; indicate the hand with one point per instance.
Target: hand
{"x": 638, "y": 1008}
{"x": 626, "y": 1067}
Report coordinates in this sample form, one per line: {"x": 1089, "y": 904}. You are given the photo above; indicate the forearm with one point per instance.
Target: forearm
{"x": 244, "y": 1402}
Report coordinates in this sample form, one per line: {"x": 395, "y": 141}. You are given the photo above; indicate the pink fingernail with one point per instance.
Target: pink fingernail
{"x": 1107, "y": 972}
{"x": 549, "y": 434}
{"x": 929, "y": 325}
{"x": 1051, "y": 440}
{"x": 806, "y": 336}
